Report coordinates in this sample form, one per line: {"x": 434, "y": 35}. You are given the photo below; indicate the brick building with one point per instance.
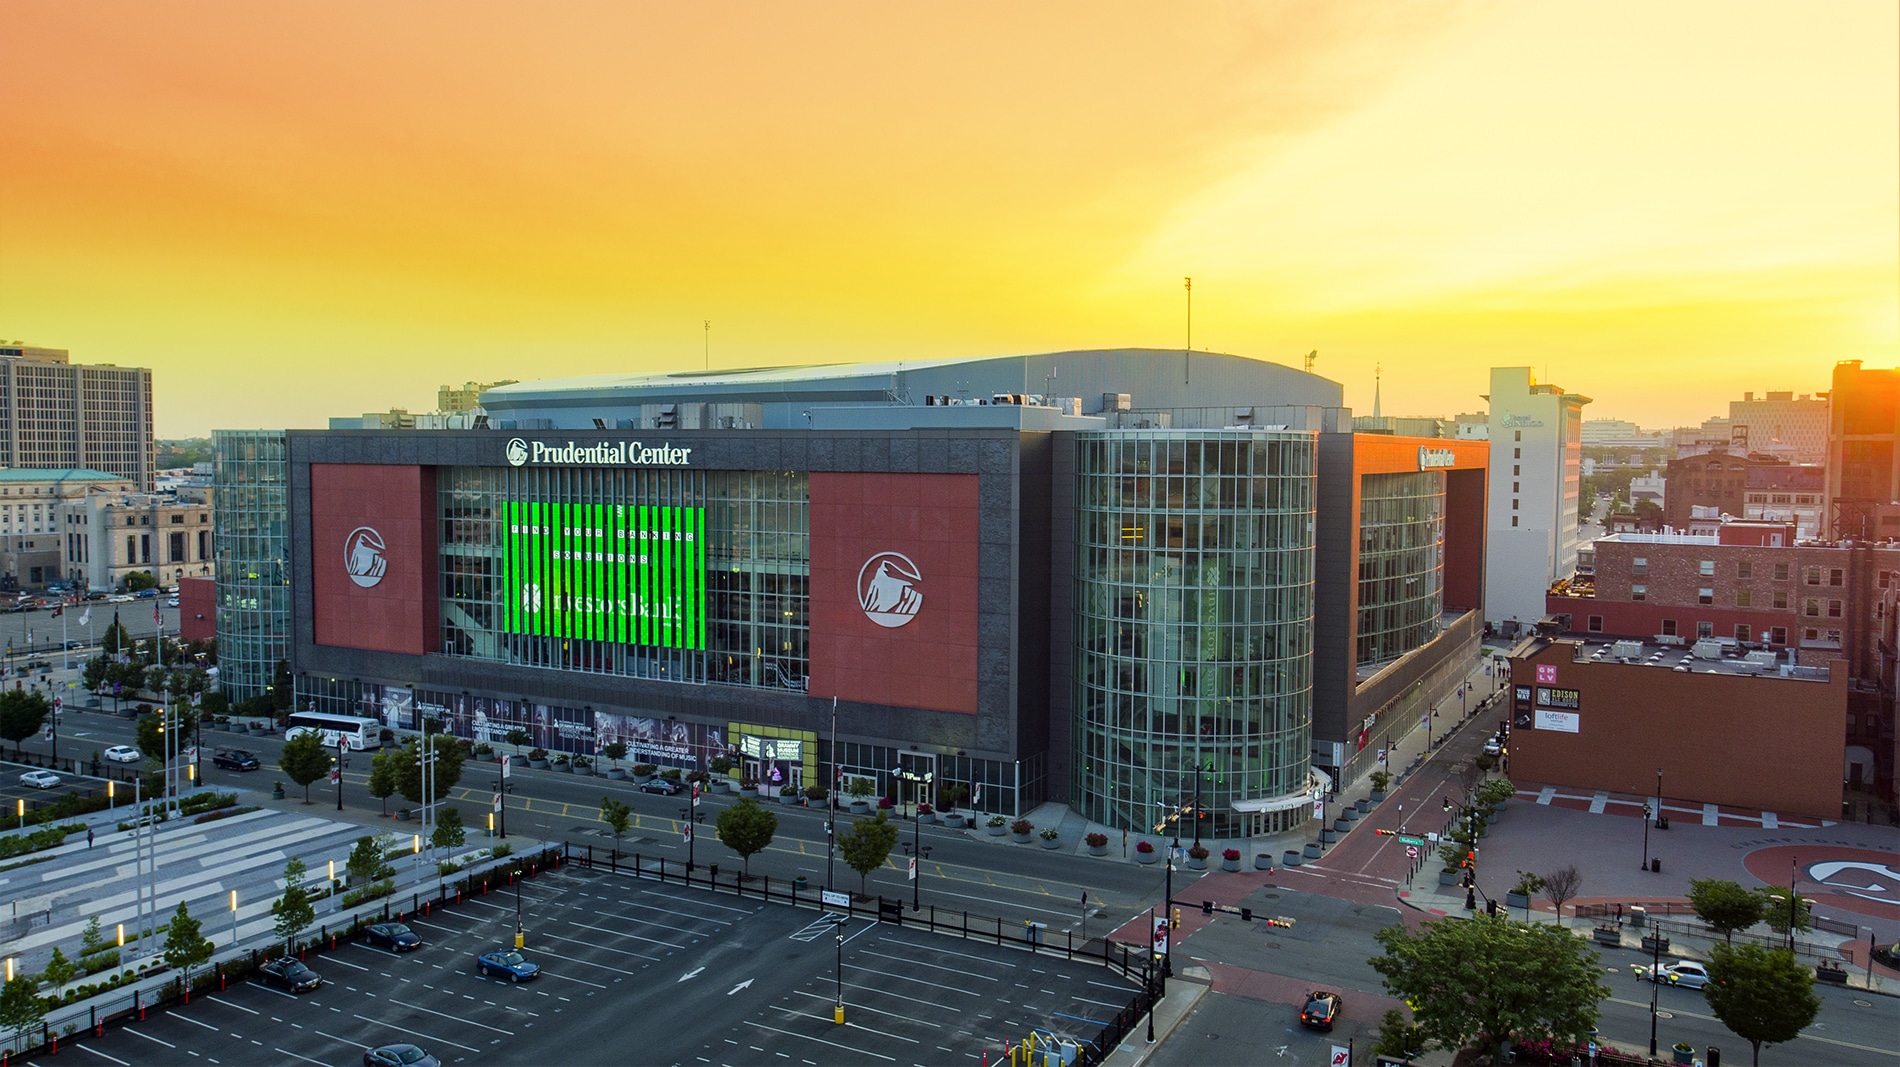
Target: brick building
{"x": 1863, "y": 453}
{"x": 1714, "y": 481}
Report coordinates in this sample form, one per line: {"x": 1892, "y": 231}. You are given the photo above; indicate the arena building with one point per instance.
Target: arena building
{"x": 1077, "y": 576}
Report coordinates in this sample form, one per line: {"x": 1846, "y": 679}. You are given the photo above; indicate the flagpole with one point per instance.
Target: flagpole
{"x": 831, "y": 822}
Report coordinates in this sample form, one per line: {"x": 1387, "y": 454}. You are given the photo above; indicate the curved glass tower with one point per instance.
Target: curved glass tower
{"x": 252, "y": 569}
{"x": 1194, "y": 627}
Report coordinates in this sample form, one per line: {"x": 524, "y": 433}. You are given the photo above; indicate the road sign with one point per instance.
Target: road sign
{"x": 1411, "y": 852}
{"x": 1406, "y": 840}
{"x": 836, "y": 900}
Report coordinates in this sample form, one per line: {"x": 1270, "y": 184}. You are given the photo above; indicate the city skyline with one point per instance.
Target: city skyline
{"x": 290, "y": 213}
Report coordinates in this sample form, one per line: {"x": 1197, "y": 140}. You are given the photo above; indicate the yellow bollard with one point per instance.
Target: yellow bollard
{"x": 837, "y": 1014}
{"x": 520, "y": 937}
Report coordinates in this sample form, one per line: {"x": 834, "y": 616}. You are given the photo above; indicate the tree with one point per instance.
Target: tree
{"x": 1485, "y": 982}
{"x": 304, "y": 760}
{"x": 1398, "y": 1039}
{"x": 1762, "y": 994}
{"x": 59, "y": 970}
{"x": 449, "y": 831}
{"x": 1724, "y": 905}
{"x": 94, "y": 675}
{"x": 20, "y": 1006}
{"x": 1777, "y": 908}
{"x": 746, "y": 827}
{"x": 448, "y": 767}
{"x": 618, "y": 818}
{"x": 383, "y": 776}
{"x": 282, "y": 690}
{"x": 292, "y": 911}
{"x": 1560, "y": 886}
{"x": 518, "y": 737}
{"x": 22, "y": 714}
{"x": 91, "y": 938}
{"x": 139, "y": 581}
{"x": 368, "y": 861}
{"x": 616, "y": 752}
{"x": 117, "y": 639}
{"x": 185, "y": 944}
{"x": 150, "y": 734}
{"x": 867, "y": 844}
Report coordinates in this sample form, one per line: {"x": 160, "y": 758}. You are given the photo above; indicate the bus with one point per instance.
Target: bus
{"x": 350, "y": 730}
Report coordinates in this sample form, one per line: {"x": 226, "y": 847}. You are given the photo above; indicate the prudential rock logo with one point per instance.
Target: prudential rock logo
{"x": 363, "y": 556}
{"x": 517, "y": 452}
{"x": 887, "y": 589}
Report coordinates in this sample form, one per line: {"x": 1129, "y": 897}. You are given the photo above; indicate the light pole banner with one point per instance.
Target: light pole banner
{"x": 1161, "y": 935}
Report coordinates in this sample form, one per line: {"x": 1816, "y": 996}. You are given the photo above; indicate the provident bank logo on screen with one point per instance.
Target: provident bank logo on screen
{"x": 521, "y": 453}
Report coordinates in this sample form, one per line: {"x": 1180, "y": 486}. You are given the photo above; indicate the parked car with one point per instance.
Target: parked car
{"x": 172, "y": 602}
{"x": 121, "y": 598}
{"x": 124, "y": 754}
{"x": 1888, "y": 955}
{"x": 666, "y": 787}
{"x": 1493, "y": 747}
{"x": 506, "y": 962}
{"x": 1687, "y": 974}
{"x": 145, "y": 594}
{"x": 40, "y": 779}
{"x": 1321, "y": 1011}
{"x": 234, "y": 759}
{"x": 291, "y": 974}
{"x": 399, "y": 1056}
{"x": 395, "y": 937}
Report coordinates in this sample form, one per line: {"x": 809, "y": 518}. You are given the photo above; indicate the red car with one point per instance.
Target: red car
{"x": 1321, "y": 1011}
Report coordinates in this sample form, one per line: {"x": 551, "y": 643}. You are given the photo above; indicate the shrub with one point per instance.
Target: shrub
{"x": 748, "y": 783}
{"x": 788, "y": 790}
{"x": 1380, "y": 780}
{"x": 501, "y": 850}
{"x": 644, "y": 770}
{"x": 538, "y": 753}
{"x": 1230, "y": 855}
{"x": 885, "y": 803}
{"x": 1021, "y": 826}
{"x": 720, "y": 765}
{"x": 816, "y": 793}
{"x": 997, "y": 820}
{"x": 1096, "y": 840}
{"x": 671, "y": 774}
{"x": 925, "y": 809}
{"x": 1198, "y": 852}
{"x": 1050, "y": 833}
{"x": 373, "y": 891}
{"x": 1528, "y": 884}
{"x": 1144, "y": 847}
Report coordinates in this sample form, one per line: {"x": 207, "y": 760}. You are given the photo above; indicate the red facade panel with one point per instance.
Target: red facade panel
{"x": 197, "y": 609}
{"x": 373, "y": 556}
{"x": 894, "y": 589}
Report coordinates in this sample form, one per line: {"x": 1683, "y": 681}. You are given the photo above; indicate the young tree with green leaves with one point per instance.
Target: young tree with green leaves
{"x": 91, "y": 938}
{"x": 292, "y": 911}
{"x": 747, "y": 827}
{"x": 21, "y": 1008}
{"x": 1779, "y": 906}
{"x": 615, "y": 752}
{"x": 867, "y": 844}
{"x": 517, "y": 737}
{"x": 1398, "y": 1039}
{"x": 449, "y": 831}
{"x": 383, "y": 776}
{"x": 368, "y": 861}
{"x": 59, "y": 970}
{"x": 283, "y": 690}
{"x": 448, "y": 767}
{"x": 117, "y": 639}
{"x": 1724, "y": 906}
{"x": 22, "y": 714}
{"x": 304, "y": 759}
{"x": 618, "y": 818}
{"x": 1487, "y": 982}
{"x": 1762, "y": 994}
{"x": 185, "y": 944}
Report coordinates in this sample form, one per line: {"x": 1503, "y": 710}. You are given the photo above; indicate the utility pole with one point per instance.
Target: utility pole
{"x": 1187, "y": 353}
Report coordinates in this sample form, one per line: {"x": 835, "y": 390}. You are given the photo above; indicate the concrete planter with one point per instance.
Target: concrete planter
{"x": 1517, "y": 900}
{"x": 1021, "y": 839}
{"x": 617, "y": 774}
{"x": 1262, "y": 862}
{"x": 928, "y": 818}
{"x": 1834, "y": 975}
{"x": 1229, "y": 865}
{"x": 1447, "y": 877}
{"x": 1378, "y": 796}
{"x": 1311, "y": 851}
{"x": 1612, "y": 937}
{"x": 1197, "y": 864}
{"x": 1146, "y": 858}
{"x": 953, "y": 821}
{"x": 1052, "y": 843}
{"x": 860, "y": 807}
{"x": 1098, "y": 850}
{"x": 538, "y": 764}
{"x": 997, "y": 831}
{"x": 1291, "y": 858}
{"x": 791, "y": 798}
{"x": 1361, "y": 806}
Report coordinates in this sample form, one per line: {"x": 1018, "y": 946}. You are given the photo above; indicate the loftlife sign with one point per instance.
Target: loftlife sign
{"x": 613, "y": 453}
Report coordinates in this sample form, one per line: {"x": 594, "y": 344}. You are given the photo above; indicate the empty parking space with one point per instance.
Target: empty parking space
{"x": 639, "y": 971}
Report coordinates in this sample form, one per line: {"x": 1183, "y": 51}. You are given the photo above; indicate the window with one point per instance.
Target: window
{"x": 1781, "y": 600}
{"x": 1514, "y": 504}
{"x": 1639, "y": 591}
{"x": 1705, "y": 595}
{"x": 1831, "y": 635}
{"x": 1810, "y": 634}
{"x": 1639, "y": 565}
{"x": 1595, "y": 624}
{"x": 1813, "y": 576}
{"x": 1515, "y": 471}
{"x": 1744, "y": 598}
{"x": 1811, "y": 606}
{"x": 1517, "y": 453}
{"x": 1745, "y": 570}
{"x": 1781, "y": 572}
{"x": 1669, "y": 627}
{"x": 1882, "y": 580}
{"x": 1707, "y": 568}
{"x": 1517, "y": 435}
{"x": 179, "y": 520}
{"x": 1514, "y": 520}
{"x": 1836, "y": 576}
{"x": 1741, "y": 633}
{"x": 1778, "y": 635}
{"x": 1833, "y": 609}
{"x": 1514, "y": 489}
{"x": 1704, "y": 629}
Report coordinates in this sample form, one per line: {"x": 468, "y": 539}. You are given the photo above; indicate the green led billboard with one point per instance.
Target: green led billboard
{"x": 600, "y": 572}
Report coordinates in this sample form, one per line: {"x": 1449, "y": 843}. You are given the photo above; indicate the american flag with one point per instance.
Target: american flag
{"x": 158, "y": 617}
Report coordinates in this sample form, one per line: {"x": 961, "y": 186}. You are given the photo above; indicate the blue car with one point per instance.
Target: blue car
{"x": 506, "y": 962}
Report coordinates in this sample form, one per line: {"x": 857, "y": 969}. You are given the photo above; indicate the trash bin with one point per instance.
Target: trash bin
{"x": 1655, "y": 864}
{"x": 1032, "y": 931}
{"x": 1639, "y": 917}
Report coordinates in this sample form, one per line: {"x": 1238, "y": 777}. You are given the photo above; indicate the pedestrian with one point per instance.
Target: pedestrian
{"x": 88, "y": 837}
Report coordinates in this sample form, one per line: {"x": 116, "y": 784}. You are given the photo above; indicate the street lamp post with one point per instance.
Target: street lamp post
{"x": 1645, "y": 864}
{"x": 1662, "y": 821}
{"x": 1655, "y": 982}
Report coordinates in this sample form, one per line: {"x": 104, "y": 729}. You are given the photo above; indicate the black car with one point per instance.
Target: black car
{"x": 1888, "y": 956}
{"x": 393, "y": 936}
{"x": 1321, "y": 1011}
{"x": 235, "y": 759}
{"x": 663, "y": 786}
{"x": 399, "y": 1056}
{"x": 291, "y": 974}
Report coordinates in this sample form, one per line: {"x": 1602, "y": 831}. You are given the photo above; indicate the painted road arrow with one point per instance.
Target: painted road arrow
{"x": 694, "y": 973}
{"x": 738, "y": 987}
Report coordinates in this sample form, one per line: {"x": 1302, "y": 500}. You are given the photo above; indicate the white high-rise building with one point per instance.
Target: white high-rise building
{"x": 1536, "y": 477}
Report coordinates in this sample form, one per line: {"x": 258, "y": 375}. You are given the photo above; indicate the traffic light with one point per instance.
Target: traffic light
{"x": 1207, "y": 907}
{"x": 1490, "y": 907}
{"x": 1385, "y": 833}
{"x": 1175, "y": 919}
{"x": 1447, "y": 803}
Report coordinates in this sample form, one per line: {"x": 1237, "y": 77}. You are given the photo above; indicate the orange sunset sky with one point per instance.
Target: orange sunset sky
{"x": 293, "y": 210}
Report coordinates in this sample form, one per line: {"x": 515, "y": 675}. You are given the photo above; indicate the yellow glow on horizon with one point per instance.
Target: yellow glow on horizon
{"x": 297, "y": 211}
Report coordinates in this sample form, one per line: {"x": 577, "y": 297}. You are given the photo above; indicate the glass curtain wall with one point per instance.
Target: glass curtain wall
{"x": 1194, "y": 625}
{"x": 756, "y": 562}
{"x": 252, "y": 565}
{"x": 1401, "y": 563}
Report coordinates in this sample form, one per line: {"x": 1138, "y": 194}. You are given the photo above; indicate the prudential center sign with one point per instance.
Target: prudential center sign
{"x": 523, "y": 453}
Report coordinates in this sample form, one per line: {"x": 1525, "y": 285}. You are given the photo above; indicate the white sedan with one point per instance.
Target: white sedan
{"x": 1686, "y": 974}
{"x": 123, "y": 754}
{"x": 40, "y": 779}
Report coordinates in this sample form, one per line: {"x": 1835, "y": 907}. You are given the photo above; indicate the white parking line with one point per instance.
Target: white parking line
{"x": 228, "y": 1004}
{"x": 194, "y": 1022}
{"x": 905, "y": 978}
{"x": 457, "y": 1018}
{"x": 306, "y": 1059}
{"x": 604, "y": 948}
{"x": 416, "y": 1034}
{"x": 334, "y": 959}
{"x": 150, "y": 1038}
{"x": 623, "y": 933}
{"x": 103, "y": 1056}
{"x": 834, "y": 1044}
{"x": 876, "y": 1011}
{"x": 909, "y": 961}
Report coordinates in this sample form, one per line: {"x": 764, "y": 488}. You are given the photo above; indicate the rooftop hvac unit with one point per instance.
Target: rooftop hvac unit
{"x": 668, "y": 418}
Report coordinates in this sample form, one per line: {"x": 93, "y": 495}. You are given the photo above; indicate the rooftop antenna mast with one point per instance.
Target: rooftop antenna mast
{"x": 1188, "y": 352}
{"x": 709, "y": 344}
{"x": 1310, "y": 357}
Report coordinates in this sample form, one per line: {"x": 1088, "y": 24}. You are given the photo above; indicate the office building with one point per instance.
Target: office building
{"x": 1075, "y": 576}
{"x": 1799, "y": 423}
{"x": 1863, "y": 454}
{"x": 56, "y": 414}
{"x": 1536, "y": 476}
{"x": 32, "y": 538}
{"x": 1709, "y": 484}
{"x": 110, "y": 536}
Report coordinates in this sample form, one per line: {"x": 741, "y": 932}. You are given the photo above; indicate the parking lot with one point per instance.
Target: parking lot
{"x": 634, "y": 971}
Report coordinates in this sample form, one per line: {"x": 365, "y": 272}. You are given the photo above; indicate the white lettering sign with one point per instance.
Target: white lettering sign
{"x": 1563, "y": 721}
{"x": 1436, "y": 457}
{"x": 613, "y": 453}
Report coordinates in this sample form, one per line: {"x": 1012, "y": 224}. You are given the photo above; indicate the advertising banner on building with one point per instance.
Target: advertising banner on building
{"x": 373, "y": 556}
{"x": 601, "y": 572}
{"x": 1562, "y": 721}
